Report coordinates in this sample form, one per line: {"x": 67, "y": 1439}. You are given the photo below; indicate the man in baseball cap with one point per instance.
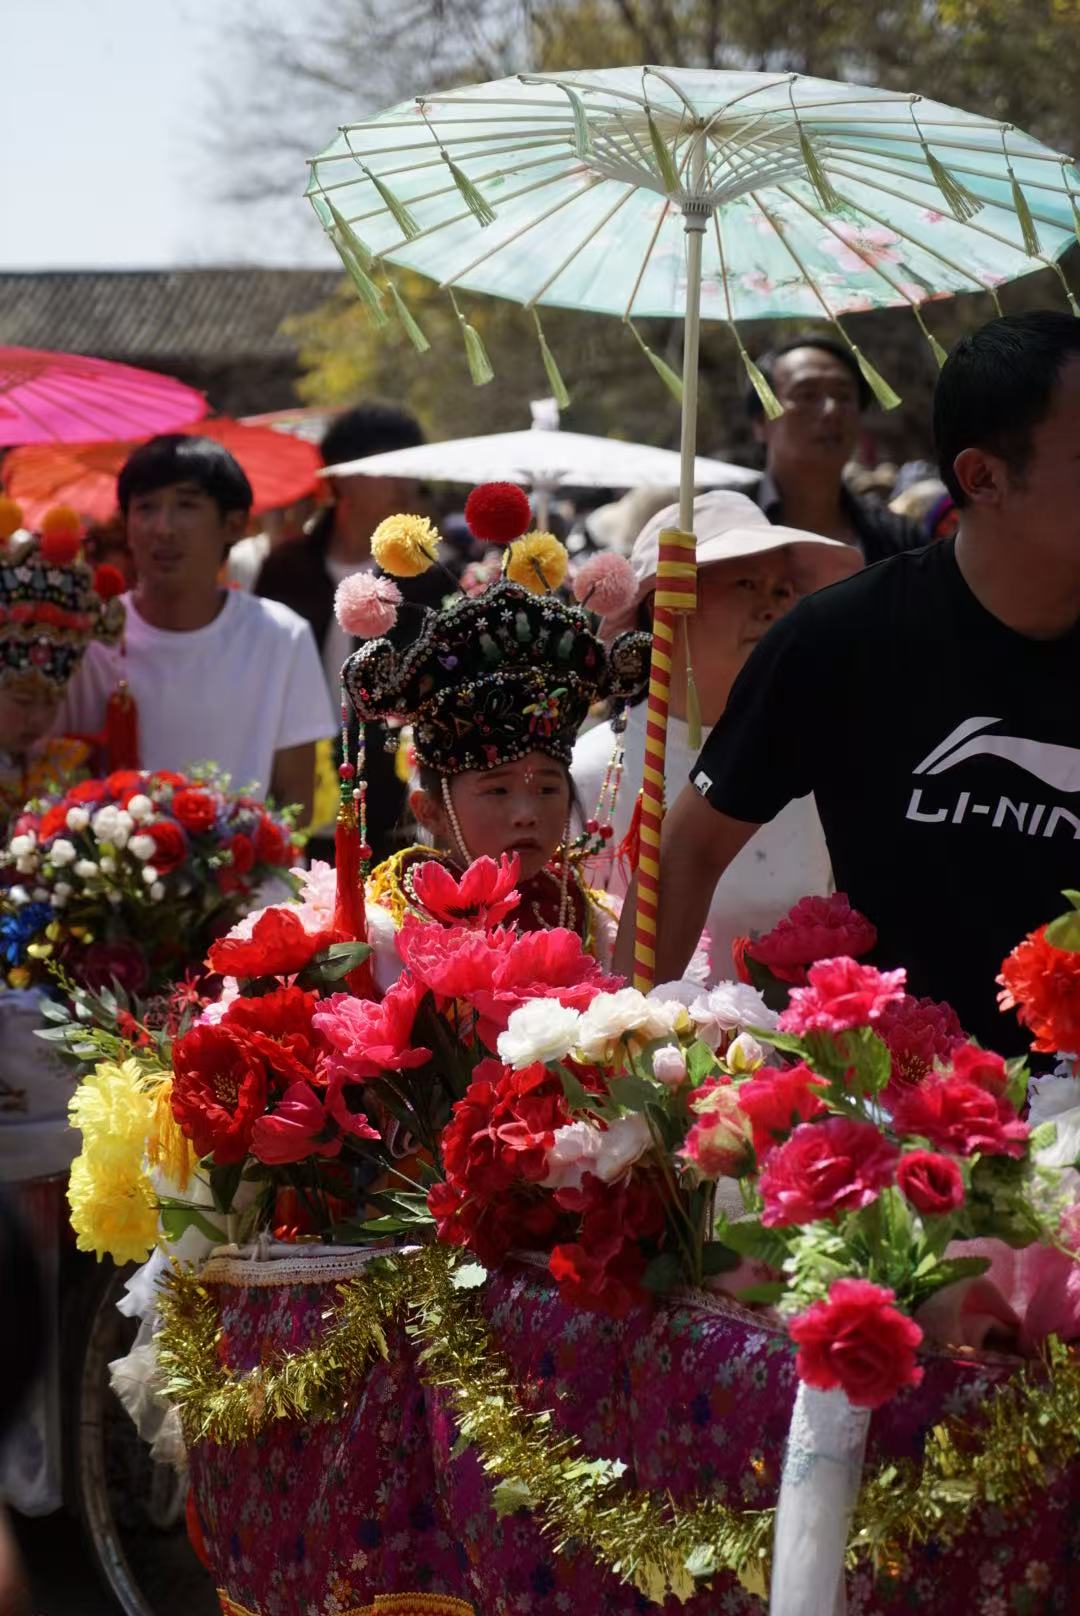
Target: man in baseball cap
{"x": 750, "y": 573}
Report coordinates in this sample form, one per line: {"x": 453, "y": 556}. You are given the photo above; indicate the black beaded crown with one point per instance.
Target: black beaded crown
{"x": 493, "y": 677}
{"x": 49, "y": 613}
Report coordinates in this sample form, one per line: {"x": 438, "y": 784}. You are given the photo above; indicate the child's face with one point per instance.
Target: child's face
{"x": 179, "y": 537}
{"x": 519, "y": 808}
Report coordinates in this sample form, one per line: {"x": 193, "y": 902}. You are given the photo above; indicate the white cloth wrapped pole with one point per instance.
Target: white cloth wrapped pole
{"x": 823, "y": 1465}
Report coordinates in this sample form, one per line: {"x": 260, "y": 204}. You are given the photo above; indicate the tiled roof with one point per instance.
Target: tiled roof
{"x": 157, "y": 315}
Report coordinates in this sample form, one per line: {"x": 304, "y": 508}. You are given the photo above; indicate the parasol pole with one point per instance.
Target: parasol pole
{"x": 676, "y": 593}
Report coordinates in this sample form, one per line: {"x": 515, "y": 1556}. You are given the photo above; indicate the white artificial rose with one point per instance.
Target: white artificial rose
{"x": 669, "y": 1066}
{"x": 18, "y": 895}
{"x": 611, "y": 1017}
{"x": 105, "y": 824}
{"x": 143, "y": 846}
{"x": 77, "y": 819}
{"x": 625, "y": 1140}
{"x": 149, "y": 874}
{"x": 744, "y": 1054}
{"x": 542, "y": 1030}
{"x": 157, "y": 891}
{"x": 86, "y": 869}
{"x": 140, "y": 807}
{"x": 27, "y": 863}
{"x": 20, "y": 846}
{"x": 727, "y": 1008}
{"x": 62, "y": 852}
{"x": 573, "y": 1153}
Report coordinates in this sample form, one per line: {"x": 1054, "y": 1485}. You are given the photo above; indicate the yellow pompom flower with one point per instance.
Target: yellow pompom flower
{"x": 113, "y": 1213}
{"x": 405, "y": 545}
{"x": 538, "y": 562}
{"x": 166, "y": 1146}
{"x": 61, "y": 521}
{"x": 112, "y": 1109}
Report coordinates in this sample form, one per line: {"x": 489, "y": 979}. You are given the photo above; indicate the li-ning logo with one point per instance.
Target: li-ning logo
{"x": 703, "y": 782}
{"x": 1055, "y": 766}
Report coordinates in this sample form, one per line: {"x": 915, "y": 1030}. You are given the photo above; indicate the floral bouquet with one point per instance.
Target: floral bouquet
{"x": 124, "y": 881}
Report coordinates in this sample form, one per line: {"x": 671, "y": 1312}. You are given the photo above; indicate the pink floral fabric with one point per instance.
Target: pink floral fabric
{"x": 316, "y": 1520}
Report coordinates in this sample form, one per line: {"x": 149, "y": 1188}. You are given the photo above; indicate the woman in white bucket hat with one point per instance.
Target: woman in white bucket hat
{"x": 749, "y": 574}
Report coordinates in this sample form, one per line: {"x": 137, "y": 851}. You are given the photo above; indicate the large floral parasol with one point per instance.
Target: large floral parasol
{"x": 48, "y": 397}
{"x": 652, "y": 192}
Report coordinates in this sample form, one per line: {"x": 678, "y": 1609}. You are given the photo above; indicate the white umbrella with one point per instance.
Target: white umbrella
{"x": 544, "y": 461}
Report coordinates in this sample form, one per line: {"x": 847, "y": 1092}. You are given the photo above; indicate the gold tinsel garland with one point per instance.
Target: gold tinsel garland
{"x": 1031, "y": 1427}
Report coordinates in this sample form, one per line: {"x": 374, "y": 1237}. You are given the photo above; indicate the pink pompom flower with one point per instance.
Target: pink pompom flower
{"x": 366, "y": 605}
{"x": 606, "y": 584}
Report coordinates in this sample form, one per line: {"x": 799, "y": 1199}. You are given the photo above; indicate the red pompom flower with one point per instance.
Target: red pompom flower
{"x": 498, "y": 513}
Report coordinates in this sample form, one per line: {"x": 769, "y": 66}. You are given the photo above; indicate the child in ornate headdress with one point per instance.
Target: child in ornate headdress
{"x": 51, "y": 607}
{"x": 495, "y": 687}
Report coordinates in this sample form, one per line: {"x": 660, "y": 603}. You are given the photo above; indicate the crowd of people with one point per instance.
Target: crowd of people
{"x": 886, "y": 707}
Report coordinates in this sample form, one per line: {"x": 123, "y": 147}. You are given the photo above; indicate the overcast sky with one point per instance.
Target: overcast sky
{"x": 101, "y": 160}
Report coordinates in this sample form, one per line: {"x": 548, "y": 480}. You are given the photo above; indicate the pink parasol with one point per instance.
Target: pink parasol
{"x": 70, "y": 398}
{"x": 281, "y": 470}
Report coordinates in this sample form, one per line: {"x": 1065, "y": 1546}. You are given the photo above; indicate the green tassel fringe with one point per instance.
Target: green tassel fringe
{"x": 1071, "y": 194}
{"x": 935, "y": 346}
{"x": 817, "y": 175}
{"x": 351, "y": 239}
{"x": 369, "y": 294}
{"x": 760, "y": 383}
{"x": 551, "y": 369}
{"x": 664, "y": 160}
{"x": 671, "y": 381}
{"x": 958, "y": 199}
{"x": 408, "y": 322}
{"x": 875, "y": 381}
{"x": 1028, "y": 232}
{"x": 402, "y": 217}
{"x": 474, "y": 200}
{"x": 1067, "y": 289}
{"x": 480, "y": 366}
{"x": 582, "y": 141}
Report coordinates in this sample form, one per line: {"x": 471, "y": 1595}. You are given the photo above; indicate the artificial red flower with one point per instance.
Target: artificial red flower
{"x": 53, "y": 821}
{"x": 962, "y": 1117}
{"x": 841, "y": 994}
{"x": 815, "y": 929}
{"x": 522, "y": 1218}
{"x": 740, "y": 950}
{"x": 278, "y": 1027}
{"x": 920, "y": 1034}
{"x": 1042, "y": 983}
{"x": 241, "y": 850}
{"x": 218, "y": 1092}
{"x": 272, "y": 843}
{"x": 294, "y": 1130}
{"x": 777, "y": 1099}
{"x": 503, "y": 1127}
{"x": 453, "y": 961}
{"x": 168, "y": 777}
{"x": 196, "y": 810}
{"x": 369, "y": 1037}
{"x": 350, "y": 1118}
{"x": 980, "y": 1066}
{"x": 859, "y": 1342}
{"x": 933, "y": 1184}
{"x": 131, "y": 1030}
{"x": 108, "y": 965}
{"x": 485, "y": 894}
{"x": 603, "y": 1268}
{"x": 170, "y": 845}
{"x": 86, "y": 792}
{"x": 124, "y": 782}
{"x": 538, "y": 965}
{"x": 718, "y": 1143}
{"x": 825, "y": 1169}
{"x": 278, "y": 946}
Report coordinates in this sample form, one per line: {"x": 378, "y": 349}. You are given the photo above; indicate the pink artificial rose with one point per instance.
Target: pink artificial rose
{"x": 777, "y": 1099}
{"x": 841, "y": 994}
{"x": 824, "y": 1169}
{"x": 961, "y": 1117}
{"x": 859, "y": 1342}
{"x": 933, "y": 1184}
{"x": 290, "y": 1132}
{"x": 370, "y": 1037}
{"x": 719, "y": 1142}
{"x": 816, "y": 928}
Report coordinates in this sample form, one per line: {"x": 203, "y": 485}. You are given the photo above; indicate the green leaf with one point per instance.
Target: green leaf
{"x": 701, "y": 1062}
{"x": 770, "y": 1293}
{"x": 751, "y": 1239}
{"x": 224, "y": 1183}
{"x": 716, "y": 1258}
{"x": 1016, "y": 1081}
{"x": 664, "y": 1273}
{"x": 1065, "y": 931}
{"x": 950, "y": 1271}
{"x": 469, "y": 1276}
{"x": 510, "y": 1495}
{"x": 177, "y": 1220}
{"x": 333, "y": 964}
{"x": 634, "y": 1093}
{"x": 577, "y": 1096}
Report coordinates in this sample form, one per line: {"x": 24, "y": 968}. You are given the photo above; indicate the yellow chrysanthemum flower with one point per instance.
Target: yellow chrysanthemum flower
{"x": 538, "y": 562}
{"x": 113, "y": 1213}
{"x": 112, "y": 1109}
{"x": 405, "y": 545}
{"x": 166, "y": 1146}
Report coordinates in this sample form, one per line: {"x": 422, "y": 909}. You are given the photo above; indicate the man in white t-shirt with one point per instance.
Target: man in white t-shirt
{"x": 217, "y": 675}
{"x": 749, "y": 574}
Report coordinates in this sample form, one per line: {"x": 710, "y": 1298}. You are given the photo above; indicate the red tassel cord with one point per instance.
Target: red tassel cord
{"x": 121, "y": 729}
{"x": 350, "y": 919}
{"x": 629, "y": 849}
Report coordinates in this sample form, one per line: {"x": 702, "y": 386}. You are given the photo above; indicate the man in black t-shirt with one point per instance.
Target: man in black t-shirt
{"x": 931, "y": 703}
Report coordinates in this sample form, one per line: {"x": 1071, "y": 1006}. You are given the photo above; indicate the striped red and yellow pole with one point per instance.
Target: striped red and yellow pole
{"x": 676, "y": 594}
